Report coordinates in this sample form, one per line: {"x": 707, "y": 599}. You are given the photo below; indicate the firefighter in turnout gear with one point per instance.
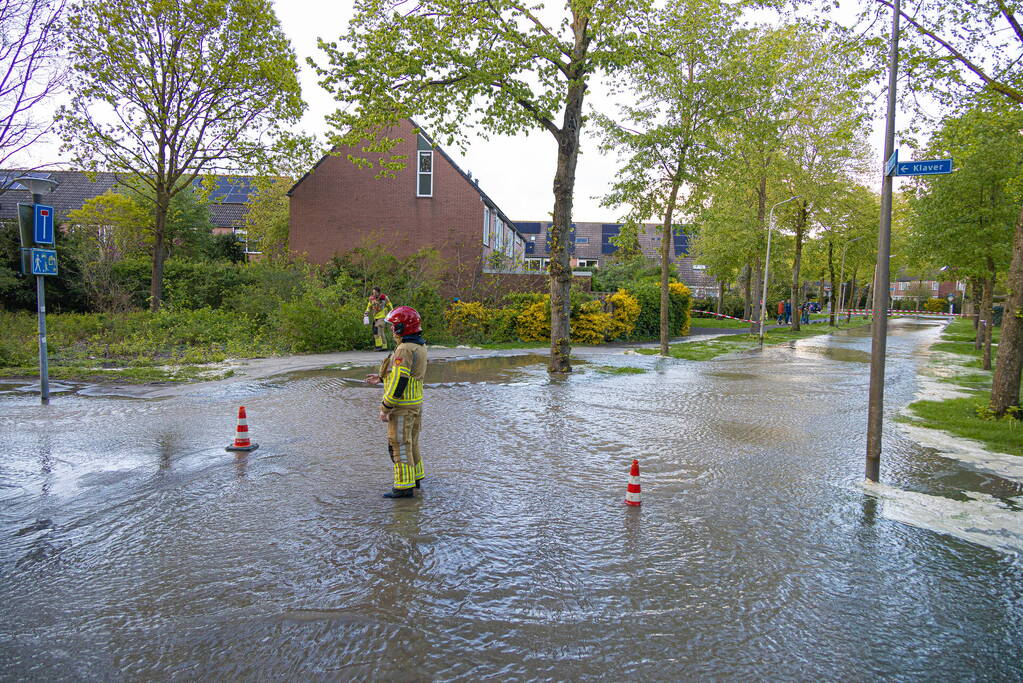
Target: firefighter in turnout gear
{"x": 402, "y": 375}
{"x": 376, "y": 311}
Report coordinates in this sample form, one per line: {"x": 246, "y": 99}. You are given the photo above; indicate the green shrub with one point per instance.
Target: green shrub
{"x": 317, "y": 323}
{"x": 936, "y": 305}
{"x": 648, "y": 324}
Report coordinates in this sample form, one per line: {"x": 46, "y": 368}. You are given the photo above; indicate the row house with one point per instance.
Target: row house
{"x": 590, "y": 246}
{"x": 228, "y": 198}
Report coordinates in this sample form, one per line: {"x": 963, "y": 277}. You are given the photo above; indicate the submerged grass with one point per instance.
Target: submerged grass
{"x": 712, "y": 348}
{"x": 619, "y": 370}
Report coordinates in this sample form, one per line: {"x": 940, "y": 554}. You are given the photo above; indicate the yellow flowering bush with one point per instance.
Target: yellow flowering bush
{"x": 624, "y": 314}
{"x": 592, "y": 323}
{"x": 534, "y": 323}
{"x": 682, "y": 301}
{"x": 467, "y": 320}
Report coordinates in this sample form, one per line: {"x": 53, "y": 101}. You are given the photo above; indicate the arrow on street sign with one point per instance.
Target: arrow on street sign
{"x": 44, "y": 262}
{"x": 926, "y": 167}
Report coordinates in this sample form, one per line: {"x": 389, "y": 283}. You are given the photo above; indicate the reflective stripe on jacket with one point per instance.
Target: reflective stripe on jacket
{"x": 403, "y": 373}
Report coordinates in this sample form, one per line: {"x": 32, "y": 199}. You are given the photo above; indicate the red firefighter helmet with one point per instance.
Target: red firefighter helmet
{"x": 405, "y": 320}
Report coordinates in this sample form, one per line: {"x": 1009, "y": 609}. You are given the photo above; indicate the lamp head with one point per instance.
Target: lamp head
{"x": 37, "y": 185}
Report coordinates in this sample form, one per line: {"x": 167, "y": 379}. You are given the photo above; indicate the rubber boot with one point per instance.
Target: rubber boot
{"x": 400, "y": 493}
{"x": 417, "y": 483}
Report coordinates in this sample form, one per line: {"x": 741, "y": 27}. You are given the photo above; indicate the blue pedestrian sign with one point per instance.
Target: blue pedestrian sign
{"x": 44, "y": 262}
{"x": 925, "y": 167}
{"x": 43, "y": 224}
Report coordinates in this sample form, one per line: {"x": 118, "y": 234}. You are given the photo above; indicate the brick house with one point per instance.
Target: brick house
{"x": 337, "y": 207}
{"x": 591, "y": 247}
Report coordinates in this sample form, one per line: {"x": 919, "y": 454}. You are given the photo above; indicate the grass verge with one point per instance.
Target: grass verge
{"x": 962, "y": 416}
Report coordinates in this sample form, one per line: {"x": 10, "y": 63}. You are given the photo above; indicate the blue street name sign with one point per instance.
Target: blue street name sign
{"x": 928, "y": 167}
{"x": 43, "y": 224}
{"x": 44, "y": 262}
{"x": 892, "y": 161}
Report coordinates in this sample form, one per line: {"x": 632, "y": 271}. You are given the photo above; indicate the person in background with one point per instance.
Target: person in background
{"x": 376, "y": 311}
{"x": 402, "y": 374}
{"x": 788, "y": 312}
{"x": 781, "y": 311}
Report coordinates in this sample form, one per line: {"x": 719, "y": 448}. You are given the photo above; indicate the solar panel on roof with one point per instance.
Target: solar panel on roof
{"x": 229, "y": 190}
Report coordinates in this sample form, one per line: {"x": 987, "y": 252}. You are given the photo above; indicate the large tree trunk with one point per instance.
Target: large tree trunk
{"x": 564, "y": 188}
{"x": 831, "y": 279}
{"x": 758, "y": 293}
{"x": 977, "y": 294}
{"x": 159, "y": 234}
{"x": 666, "y": 244}
{"x": 987, "y": 319}
{"x": 800, "y": 228}
{"x": 853, "y": 301}
{"x": 1005, "y": 385}
{"x": 747, "y": 307}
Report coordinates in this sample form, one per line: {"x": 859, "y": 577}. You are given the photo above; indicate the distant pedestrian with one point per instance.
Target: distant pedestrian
{"x": 788, "y": 312}
{"x": 781, "y": 311}
{"x": 806, "y": 314}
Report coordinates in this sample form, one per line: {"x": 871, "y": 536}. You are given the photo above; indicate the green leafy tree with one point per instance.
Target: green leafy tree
{"x": 965, "y": 220}
{"x": 683, "y": 92}
{"x": 164, "y": 91}
{"x": 504, "y": 65}
{"x": 953, "y": 50}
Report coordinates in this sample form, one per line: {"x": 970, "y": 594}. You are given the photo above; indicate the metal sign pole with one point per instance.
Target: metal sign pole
{"x": 44, "y": 361}
{"x": 875, "y": 410}
{"x": 44, "y": 365}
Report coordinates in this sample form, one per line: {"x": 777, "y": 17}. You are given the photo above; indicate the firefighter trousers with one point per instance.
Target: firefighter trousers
{"x": 380, "y": 333}
{"x": 403, "y": 445}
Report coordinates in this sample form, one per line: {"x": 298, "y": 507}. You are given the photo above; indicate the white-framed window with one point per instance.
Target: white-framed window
{"x": 588, "y": 263}
{"x": 250, "y": 246}
{"x": 486, "y": 226}
{"x": 697, "y": 266}
{"x": 424, "y": 188}
{"x": 535, "y": 265}
{"x": 509, "y": 240}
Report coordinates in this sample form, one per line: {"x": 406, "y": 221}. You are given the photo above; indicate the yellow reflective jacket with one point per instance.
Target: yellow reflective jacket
{"x": 402, "y": 373}
{"x": 378, "y": 306}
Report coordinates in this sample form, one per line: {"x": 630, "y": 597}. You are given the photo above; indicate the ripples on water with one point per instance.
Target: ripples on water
{"x": 134, "y": 547}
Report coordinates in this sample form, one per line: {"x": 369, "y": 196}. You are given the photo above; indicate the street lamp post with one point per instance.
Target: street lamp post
{"x": 767, "y": 263}
{"x": 841, "y": 277}
{"x": 38, "y": 187}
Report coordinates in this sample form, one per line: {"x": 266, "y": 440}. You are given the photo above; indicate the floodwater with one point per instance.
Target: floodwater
{"x": 133, "y": 547}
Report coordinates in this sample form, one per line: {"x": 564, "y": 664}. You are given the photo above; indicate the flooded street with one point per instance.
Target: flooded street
{"x": 134, "y": 547}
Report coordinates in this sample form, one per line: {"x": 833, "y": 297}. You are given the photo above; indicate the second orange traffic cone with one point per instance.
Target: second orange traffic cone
{"x": 633, "y": 496}
{"x": 241, "y": 436}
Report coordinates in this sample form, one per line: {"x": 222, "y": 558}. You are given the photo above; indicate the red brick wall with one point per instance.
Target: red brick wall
{"x": 339, "y": 207}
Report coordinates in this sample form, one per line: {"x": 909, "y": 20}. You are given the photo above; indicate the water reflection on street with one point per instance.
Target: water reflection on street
{"x": 133, "y": 546}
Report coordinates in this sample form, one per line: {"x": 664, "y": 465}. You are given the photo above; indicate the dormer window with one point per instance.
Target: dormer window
{"x": 424, "y": 167}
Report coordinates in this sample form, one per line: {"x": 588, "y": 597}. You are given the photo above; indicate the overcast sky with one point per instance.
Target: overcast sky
{"x": 516, "y": 172}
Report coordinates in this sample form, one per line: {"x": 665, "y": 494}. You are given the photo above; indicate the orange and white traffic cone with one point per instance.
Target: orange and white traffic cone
{"x": 241, "y": 436}
{"x": 633, "y": 496}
